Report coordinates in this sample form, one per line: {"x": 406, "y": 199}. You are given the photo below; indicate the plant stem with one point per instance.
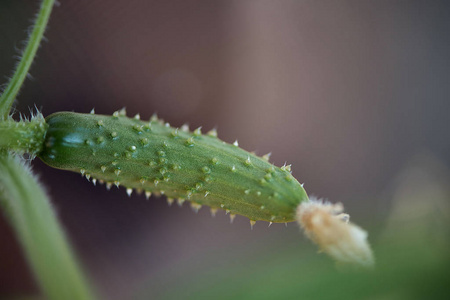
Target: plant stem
{"x": 9, "y": 95}
{"x": 22, "y": 198}
{"x": 44, "y": 243}
{"x": 24, "y": 136}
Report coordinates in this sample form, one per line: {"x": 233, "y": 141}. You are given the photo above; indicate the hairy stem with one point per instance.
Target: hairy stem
{"x": 24, "y": 136}
{"x": 10, "y": 93}
{"x": 32, "y": 217}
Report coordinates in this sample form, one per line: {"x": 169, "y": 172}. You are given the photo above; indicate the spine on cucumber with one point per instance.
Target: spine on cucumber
{"x": 156, "y": 158}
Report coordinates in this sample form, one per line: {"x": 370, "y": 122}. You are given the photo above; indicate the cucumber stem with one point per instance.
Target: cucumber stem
{"x": 9, "y": 94}
{"x": 24, "y": 136}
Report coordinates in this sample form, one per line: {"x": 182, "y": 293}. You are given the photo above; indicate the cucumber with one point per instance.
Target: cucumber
{"x": 153, "y": 157}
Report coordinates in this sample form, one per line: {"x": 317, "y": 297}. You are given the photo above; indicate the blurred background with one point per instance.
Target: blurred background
{"x": 353, "y": 94}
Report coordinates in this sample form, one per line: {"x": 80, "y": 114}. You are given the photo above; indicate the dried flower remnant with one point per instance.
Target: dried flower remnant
{"x": 328, "y": 227}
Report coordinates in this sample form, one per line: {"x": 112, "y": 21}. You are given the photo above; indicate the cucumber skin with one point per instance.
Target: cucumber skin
{"x": 157, "y": 158}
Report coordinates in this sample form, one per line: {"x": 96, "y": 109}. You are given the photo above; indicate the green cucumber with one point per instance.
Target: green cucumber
{"x": 156, "y": 158}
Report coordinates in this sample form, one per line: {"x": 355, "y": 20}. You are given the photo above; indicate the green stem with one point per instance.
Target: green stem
{"x": 10, "y": 93}
{"x": 24, "y": 136}
{"x": 37, "y": 228}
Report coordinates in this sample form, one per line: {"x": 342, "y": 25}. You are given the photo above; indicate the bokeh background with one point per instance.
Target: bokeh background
{"x": 354, "y": 94}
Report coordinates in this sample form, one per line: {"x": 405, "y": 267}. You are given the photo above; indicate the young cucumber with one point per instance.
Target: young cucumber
{"x": 156, "y": 158}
